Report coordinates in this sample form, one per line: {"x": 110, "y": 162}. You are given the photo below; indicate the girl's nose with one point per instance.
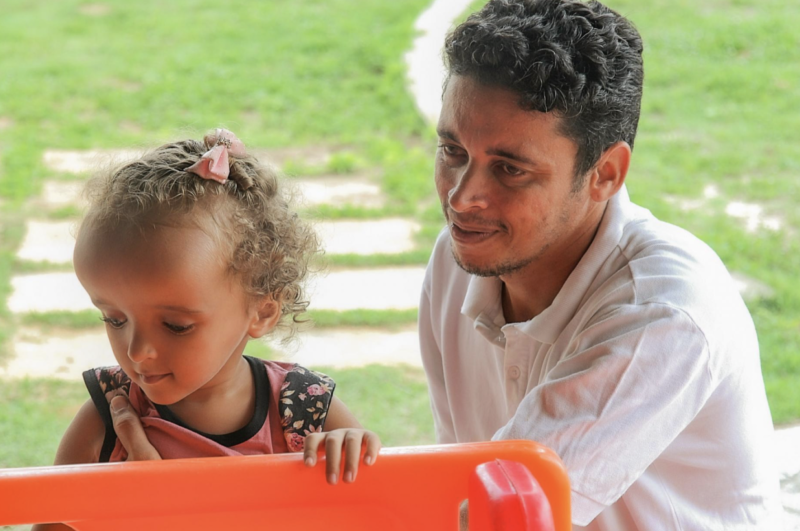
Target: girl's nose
{"x": 139, "y": 348}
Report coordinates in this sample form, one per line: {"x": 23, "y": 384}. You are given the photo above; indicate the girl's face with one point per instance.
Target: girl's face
{"x": 176, "y": 319}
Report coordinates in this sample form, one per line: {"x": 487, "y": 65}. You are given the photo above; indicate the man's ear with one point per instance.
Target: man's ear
{"x": 267, "y": 312}
{"x": 609, "y": 173}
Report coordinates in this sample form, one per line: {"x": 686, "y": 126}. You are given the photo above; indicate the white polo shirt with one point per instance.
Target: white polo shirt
{"x": 643, "y": 375}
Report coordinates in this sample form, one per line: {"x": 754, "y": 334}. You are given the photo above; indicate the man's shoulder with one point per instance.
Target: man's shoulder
{"x": 662, "y": 264}
{"x": 660, "y": 255}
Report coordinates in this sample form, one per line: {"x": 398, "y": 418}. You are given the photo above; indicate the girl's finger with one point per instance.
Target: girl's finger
{"x": 311, "y": 448}
{"x": 333, "y": 455}
{"x": 373, "y": 443}
{"x": 352, "y": 454}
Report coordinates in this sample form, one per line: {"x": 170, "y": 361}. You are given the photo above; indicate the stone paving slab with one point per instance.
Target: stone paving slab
{"x": 50, "y": 241}
{"x": 391, "y": 288}
{"x": 787, "y": 446}
{"x": 63, "y": 355}
{"x": 81, "y": 162}
{"x": 380, "y": 236}
{"x": 352, "y": 347}
{"x": 62, "y": 193}
{"x": 54, "y": 241}
{"x": 67, "y": 354}
{"x": 47, "y": 292}
{"x": 376, "y": 289}
{"x": 356, "y": 190}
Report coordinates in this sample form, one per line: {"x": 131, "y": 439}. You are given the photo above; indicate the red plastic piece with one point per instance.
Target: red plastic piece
{"x": 504, "y": 496}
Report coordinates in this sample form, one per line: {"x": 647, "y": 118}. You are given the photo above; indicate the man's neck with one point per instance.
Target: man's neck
{"x": 531, "y": 290}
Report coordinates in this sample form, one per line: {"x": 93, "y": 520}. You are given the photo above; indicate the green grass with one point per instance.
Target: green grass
{"x": 720, "y": 107}
{"x": 63, "y": 319}
{"x": 373, "y": 318}
{"x": 34, "y": 413}
{"x": 418, "y": 257}
{"x": 160, "y": 75}
{"x": 30, "y": 266}
{"x": 319, "y": 318}
{"x": 33, "y": 416}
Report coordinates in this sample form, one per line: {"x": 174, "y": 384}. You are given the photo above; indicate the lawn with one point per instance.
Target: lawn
{"x": 320, "y": 75}
{"x": 720, "y": 113}
{"x": 720, "y": 124}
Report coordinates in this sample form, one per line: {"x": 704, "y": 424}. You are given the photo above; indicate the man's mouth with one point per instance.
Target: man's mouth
{"x": 470, "y": 234}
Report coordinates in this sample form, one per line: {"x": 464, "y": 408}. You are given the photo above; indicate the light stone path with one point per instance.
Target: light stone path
{"x": 82, "y": 162}
{"x": 424, "y": 61}
{"x": 373, "y": 289}
{"x": 54, "y": 241}
{"x": 69, "y": 353}
{"x": 337, "y": 189}
{"x": 65, "y": 354}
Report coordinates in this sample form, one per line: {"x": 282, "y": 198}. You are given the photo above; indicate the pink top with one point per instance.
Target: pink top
{"x": 291, "y": 402}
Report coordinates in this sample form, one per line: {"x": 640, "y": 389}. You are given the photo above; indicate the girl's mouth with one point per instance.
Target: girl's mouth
{"x": 150, "y": 379}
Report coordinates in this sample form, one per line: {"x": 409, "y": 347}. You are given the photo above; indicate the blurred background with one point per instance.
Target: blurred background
{"x": 320, "y": 88}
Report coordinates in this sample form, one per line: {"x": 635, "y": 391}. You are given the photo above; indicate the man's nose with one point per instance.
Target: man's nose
{"x": 469, "y": 190}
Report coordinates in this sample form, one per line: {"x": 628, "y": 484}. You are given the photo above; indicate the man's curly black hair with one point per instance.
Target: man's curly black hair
{"x": 580, "y": 60}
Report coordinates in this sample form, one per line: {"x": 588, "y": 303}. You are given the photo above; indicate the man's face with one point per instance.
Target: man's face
{"x": 505, "y": 177}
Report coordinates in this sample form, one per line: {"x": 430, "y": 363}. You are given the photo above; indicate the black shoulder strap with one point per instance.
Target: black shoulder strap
{"x": 103, "y": 384}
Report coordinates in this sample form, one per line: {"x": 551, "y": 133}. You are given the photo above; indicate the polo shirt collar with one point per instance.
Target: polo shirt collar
{"x": 482, "y": 301}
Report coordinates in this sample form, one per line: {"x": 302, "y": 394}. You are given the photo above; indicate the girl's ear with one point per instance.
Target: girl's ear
{"x": 266, "y": 316}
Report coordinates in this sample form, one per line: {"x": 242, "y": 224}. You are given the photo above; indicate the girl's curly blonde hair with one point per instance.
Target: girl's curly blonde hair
{"x": 268, "y": 246}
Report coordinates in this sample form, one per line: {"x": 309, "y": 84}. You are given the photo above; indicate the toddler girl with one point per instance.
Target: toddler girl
{"x": 188, "y": 253}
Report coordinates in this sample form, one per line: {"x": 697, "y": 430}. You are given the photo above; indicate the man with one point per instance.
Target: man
{"x": 555, "y": 310}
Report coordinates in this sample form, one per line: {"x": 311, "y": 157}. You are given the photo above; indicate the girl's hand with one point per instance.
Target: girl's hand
{"x": 349, "y": 441}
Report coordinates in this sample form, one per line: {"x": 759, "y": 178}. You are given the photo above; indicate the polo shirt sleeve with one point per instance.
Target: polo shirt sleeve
{"x": 434, "y": 369}
{"x": 628, "y": 383}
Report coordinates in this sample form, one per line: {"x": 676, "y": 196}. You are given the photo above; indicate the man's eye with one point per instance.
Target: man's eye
{"x": 178, "y": 329}
{"x": 113, "y": 323}
{"x": 511, "y": 170}
{"x": 450, "y": 151}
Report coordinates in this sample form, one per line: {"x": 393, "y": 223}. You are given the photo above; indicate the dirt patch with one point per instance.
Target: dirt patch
{"x": 94, "y": 10}
{"x": 305, "y": 155}
{"x": 87, "y": 161}
{"x": 357, "y": 190}
{"x": 122, "y": 84}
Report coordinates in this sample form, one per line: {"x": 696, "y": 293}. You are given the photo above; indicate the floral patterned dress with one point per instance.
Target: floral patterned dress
{"x": 291, "y": 402}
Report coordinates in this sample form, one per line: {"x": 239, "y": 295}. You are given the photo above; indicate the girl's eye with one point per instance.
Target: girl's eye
{"x": 178, "y": 329}
{"x": 113, "y": 323}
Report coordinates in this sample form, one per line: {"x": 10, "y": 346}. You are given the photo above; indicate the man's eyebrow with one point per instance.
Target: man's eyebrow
{"x": 497, "y": 152}
{"x": 513, "y": 156}
{"x": 446, "y": 134}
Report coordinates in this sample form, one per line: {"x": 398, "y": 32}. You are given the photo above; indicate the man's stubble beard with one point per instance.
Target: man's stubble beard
{"x": 501, "y": 269}
{"x": 509, "y": 266}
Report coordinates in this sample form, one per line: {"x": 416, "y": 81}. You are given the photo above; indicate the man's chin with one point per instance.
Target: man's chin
{"x": 488, "y": 269}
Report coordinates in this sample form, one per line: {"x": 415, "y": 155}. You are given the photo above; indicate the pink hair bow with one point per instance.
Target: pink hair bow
{"x": 213, "y": 164}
